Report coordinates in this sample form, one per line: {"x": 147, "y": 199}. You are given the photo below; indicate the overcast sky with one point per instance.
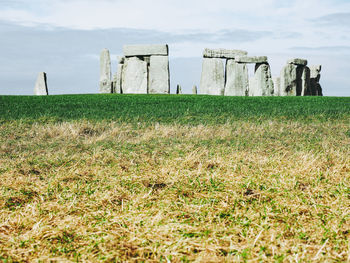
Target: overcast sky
{"x": 64, "y": 37}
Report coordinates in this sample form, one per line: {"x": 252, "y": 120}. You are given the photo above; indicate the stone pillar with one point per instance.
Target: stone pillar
{"x": 261, "y": 84}
{"x": 194, "y": 90}
{"x": 213, "y": 77}
{"x": 114, "y": 82}
{"x": 305, "y": 82}
{"x": 41, "y": 85}
{"x": 105, "y": 72}
{"x": 134, "y": 76}
{"x": 292, "y": 83}
{"x": 178, "y": 89}
{"x": 117, "y": 78}
{"x": 159, "y": 79}
{"x": 276, "y": 86}
{"x": 315, "y": 76}
{"x": 288, "y": 81}
{"x": 237, "y": 80}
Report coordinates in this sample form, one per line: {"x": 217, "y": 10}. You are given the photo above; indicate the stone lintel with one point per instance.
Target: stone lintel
{"x": 298, "y": 61}
{"x": 257, "y": 60}
{"x": 223, "y": 53}
{"x": 145, "y": 50}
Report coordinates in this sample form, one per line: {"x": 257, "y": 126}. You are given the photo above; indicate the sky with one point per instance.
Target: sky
{"x": 64, "y": 38}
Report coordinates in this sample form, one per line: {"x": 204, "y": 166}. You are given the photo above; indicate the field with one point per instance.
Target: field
{"x": 174, "y": 178}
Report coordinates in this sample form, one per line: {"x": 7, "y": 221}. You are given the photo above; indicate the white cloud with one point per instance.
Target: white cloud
{"x": 264, "y": 27}
{"x": 177, "y": 16}
{"x": 171, "y": 14}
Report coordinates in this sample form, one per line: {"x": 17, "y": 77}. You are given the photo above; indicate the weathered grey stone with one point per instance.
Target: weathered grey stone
{"x": 261, "y": 84}
{"x": 194, "y": 90}
{"x": 213, "y": 77}
{"x": 117, "y": 85}
{"x": 145, "y": 50}
{"x": 251, "y": 86}
{"x": 120, "y": 59}
{"x": 276, "y": 86}
{"x": 105, "y": 72}
{"x": 114, "y": 82}
{"x": 315, "y": 76}
{"x": 298, "y": 61}
{"x": 134, "y": 76}
{"x": 299, "y": 81}
{"x": 319, "y": 91}
{"x": 315, "y": 72}
{"x": 245, "y": 59}
{"x": 305, "y": 82}
{"x": 288, "y": 80}
{"x": 159, "y": 80}
{"x": 223, "y": 53}
{"x": 178, "y": 89}
{"x": 41, "y": 85}
{"x": 148, "y": 59}
{"x": 237, "y": 80}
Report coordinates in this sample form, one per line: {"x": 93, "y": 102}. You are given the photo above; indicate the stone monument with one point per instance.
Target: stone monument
{"x": 237, "y": 79}
{"x": 145, "y": 69}
{"x": 315, "y": 76}
{"x": 261, "y": 84}
{"x": 194, "y": 90}
{"x": 213, "y": 71}
{"x": 41, "y": 85}
{"x": 134, "y": 76}
{"x": 105, "y": 72}
{"x": 117, "y": 77}
{"x": 295, "y": 78}
{"x": 178, "y": 89}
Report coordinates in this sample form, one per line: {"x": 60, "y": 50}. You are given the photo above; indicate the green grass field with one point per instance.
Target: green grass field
{"x": 115, "y": 178}
{"x": 184, "y": 109}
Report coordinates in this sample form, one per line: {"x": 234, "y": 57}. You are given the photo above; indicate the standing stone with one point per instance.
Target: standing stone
{"x": 305, "y": 82}
{"x": 105, "y": 72}
{"x": 114, "y": 82}
{"x": 178, "y": 89}
{"x": 213, "y": 77}
{"x": 261, "y": 84}
{"x": 288, "y": 80}
{"x": 276, "y": 86}
{"x": 159, "y": 81}
{"x": 41, "y": 85}
{"x": 118, "y": 79}
{"x": 237, "y": 80}
{"x": 315, "y": 76}
{"x": 194, "y": 90}
{"x": 315, "y": 72}
{"x": 134, "y": 76}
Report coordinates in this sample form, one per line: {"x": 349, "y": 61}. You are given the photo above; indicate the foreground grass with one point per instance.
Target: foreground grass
{"x": 269, "y": 188}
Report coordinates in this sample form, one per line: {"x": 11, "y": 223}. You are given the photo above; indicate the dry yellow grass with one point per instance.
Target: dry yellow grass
{"x": 269, "y": 191}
